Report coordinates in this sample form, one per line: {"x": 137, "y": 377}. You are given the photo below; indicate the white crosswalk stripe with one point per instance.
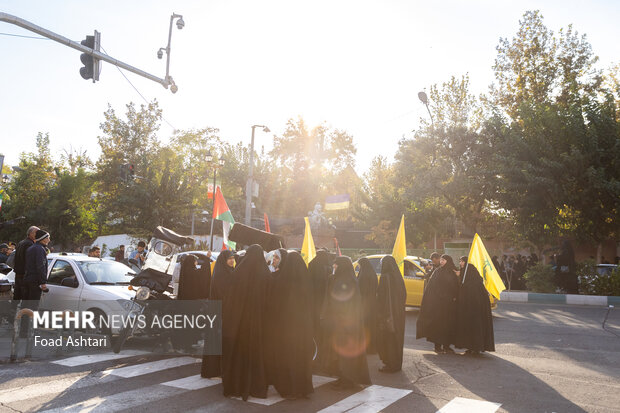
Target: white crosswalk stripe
{"x": 85, "y": 385}
{"x": 463, "y": 405}
{"x": 97, "y": 358}
{"x": 151, "y": 367}
{"x": 372, "y": 399}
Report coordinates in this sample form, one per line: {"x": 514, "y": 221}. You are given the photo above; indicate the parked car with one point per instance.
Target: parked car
{"x": 605, "y": 269}
{"x": 80, "y": 283}
{"x": 414, "y": 277}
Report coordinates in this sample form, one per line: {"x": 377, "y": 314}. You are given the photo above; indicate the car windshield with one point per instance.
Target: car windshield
{"x": 106, "y": 272}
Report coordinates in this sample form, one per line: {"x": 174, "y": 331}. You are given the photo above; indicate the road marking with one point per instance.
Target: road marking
{"x": 121, "y": 401}
{"x": 151, "y": 367}
{"x": 463, "y": 405}
{"x": 371, "y": 399}
{"x": 193, "y": 383}
{"x": 96, "y": 358}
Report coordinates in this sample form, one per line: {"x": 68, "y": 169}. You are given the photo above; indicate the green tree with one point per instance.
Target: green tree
{"x": 557, "y": 146}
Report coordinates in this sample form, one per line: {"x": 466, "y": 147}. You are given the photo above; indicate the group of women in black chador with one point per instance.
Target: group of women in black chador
{"x": 281, "y": 322}
{"x": 456, "y": 309}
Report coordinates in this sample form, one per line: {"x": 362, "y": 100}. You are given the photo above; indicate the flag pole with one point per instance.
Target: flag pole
{"x": 213, "y": 213}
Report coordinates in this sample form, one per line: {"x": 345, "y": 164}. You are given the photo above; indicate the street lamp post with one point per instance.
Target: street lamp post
{"x": 249, "y": 184}
{"x": 215, "y": 164}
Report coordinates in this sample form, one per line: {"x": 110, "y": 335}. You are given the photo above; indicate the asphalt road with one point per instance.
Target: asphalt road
{"x": 549, "y": 358}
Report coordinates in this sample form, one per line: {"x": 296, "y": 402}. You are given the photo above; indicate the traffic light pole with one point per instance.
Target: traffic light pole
{"x": 8, "y": 18}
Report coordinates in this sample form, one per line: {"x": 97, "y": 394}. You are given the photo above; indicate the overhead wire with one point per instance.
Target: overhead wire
{"x": 138, "y": 92}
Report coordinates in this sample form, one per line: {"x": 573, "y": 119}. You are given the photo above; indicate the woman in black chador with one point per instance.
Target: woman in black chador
{"x": 345, "y": 343}
{"x": 474, "y": 320}
{"x": 271, "y": 332}
{"x": 222, "y": 277}
{"x": 320, "y": 269}
{"x": 391, "y": 298}
{"x": 291, "y": 294}
{"x": 243, "y": 317}
{"x": 194, "y": 283}
{"x": 367, "y": 281}
{"x": 437, "y": 317}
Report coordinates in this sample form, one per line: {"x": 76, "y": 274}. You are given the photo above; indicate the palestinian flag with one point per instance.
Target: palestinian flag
{"x": 1, "y": 195}
{"x": 222, "y": 212}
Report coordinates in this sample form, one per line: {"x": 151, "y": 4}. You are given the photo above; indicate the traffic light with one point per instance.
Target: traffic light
{"x": 91, "y": 64}
{"x": 132, "y": 172}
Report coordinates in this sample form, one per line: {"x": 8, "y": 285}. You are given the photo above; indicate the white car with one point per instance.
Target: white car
{"x": 81, "y": 283}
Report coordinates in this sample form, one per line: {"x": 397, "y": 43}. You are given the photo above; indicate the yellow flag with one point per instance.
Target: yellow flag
{"x": 479, "y": 257}
{"x": 308, "y": 252}
{"x": 400, "y": 249}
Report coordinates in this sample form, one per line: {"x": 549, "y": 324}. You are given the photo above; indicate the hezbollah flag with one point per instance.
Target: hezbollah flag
{"x": 308, "y": 252}
{"x": 400, "y": 249}
{"x": 480, "y": 258}
{"x": 222, "y": 212}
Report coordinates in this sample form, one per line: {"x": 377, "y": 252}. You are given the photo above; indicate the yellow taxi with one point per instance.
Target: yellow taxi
{"x": 414, "y": 278}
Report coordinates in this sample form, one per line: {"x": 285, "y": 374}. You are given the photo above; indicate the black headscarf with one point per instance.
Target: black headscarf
{"x": 243, "y": 316}
{"x": 368, "y": 283}
{"x": 391, "y": 298}
{"x": 342, "y": 316}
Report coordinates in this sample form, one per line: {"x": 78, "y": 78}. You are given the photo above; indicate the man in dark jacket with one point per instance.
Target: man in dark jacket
{"x": 4, "y": 252}
{"x": 20, "y": 263}
{"x": 36, "y": 266}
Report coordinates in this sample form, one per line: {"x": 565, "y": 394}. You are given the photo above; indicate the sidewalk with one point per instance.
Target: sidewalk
{"x": 573, "y": 299}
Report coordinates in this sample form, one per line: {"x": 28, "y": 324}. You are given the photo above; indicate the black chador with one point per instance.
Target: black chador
{"x": 437, "y": 317}
{"x": 272, "y": 331}
{"x": 293, "y": 347}
{"x": 474, "y": 319}
{"x": 243, "y": 314}
{"x": 368, "y": 283}
{"x": 222, "y": 277}
{"x": 194, "y": 283}
{"x": 391, "y": 299}
{"x": 341, "y": 317}
{"x": 320, "y": 269}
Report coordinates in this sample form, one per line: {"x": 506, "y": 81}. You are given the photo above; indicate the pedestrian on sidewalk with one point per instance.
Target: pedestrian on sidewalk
{"x": 19, "y": 290}
{"x": 36, "y": 267}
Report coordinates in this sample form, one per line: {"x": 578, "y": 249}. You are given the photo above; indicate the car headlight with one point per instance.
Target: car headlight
{"x": 126, "y": 304}
{"x": 143, "y": 293}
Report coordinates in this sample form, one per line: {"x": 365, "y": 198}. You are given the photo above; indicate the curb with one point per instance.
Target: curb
{"x": 572, "y": 299}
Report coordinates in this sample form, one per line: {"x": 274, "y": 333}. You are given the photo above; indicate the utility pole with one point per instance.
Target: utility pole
{"x": 91, "y": 51}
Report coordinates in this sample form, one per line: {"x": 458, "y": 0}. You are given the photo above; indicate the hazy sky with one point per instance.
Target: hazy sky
{"x": 356, "y": 65}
